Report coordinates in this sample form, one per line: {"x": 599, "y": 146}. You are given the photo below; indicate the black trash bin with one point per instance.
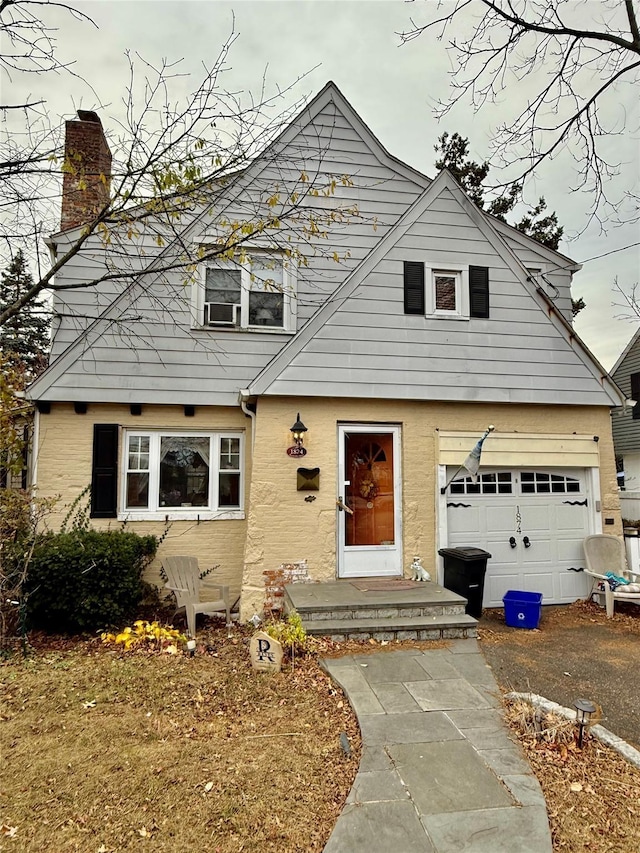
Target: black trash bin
{"x": 464, "y": 571}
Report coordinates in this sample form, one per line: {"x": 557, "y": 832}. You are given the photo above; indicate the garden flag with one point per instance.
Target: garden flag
{"x": 472, "y": 462}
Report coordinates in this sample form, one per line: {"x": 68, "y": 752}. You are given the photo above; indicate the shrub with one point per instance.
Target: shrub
{"x": 20, "y": 517}
{"x": 290, "y": 633}
{"x": 87, "y": 580}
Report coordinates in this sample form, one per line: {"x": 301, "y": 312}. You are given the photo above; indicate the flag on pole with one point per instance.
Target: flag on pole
{"x": 472, "y": 462}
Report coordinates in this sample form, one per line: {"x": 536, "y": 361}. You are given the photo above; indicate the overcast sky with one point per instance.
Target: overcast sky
{"x": 393, "y": 87}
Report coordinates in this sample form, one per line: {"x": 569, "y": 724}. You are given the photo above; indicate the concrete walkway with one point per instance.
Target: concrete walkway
{"x": 439, "y": 773}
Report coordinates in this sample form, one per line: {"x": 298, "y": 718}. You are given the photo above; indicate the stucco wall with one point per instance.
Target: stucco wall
{"x": 65, "y": 443}
{"x": 282, "y": 527}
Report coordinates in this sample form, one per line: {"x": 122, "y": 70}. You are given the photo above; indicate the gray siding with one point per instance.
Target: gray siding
{"x": 626, "y": 430}
{"x": 370, "y": 348}
{"x": 557, "y": 285}
{"x": 76, "y": 308}
{"x": 155, "y": 359}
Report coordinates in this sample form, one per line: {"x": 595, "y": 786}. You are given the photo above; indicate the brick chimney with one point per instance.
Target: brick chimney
{"x": 85, "y": 188}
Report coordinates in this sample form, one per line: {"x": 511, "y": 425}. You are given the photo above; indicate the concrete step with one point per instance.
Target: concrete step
{"x": 445, "y": 627}
{"x": 379, "y": 611}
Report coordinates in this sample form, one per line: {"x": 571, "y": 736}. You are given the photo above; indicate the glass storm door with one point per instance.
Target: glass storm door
{"x": 368, "y": 506}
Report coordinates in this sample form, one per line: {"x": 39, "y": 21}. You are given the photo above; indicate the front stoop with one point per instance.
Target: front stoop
{"x": 339, "y": 610}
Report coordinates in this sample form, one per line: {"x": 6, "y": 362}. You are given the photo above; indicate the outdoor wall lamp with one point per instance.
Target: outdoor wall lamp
{"x": 298, "y": 430}
{"x": 584, "y": 710}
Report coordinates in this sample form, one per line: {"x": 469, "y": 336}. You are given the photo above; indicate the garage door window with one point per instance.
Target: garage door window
{"x": 539, "y": 483}
{"x": 488, "y": 484}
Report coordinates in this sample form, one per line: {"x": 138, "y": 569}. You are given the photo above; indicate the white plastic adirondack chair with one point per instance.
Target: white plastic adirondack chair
{"x": 605, "y": 553}
{"x": 184, "y": 581}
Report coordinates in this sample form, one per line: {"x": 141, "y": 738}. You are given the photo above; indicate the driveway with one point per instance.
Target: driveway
{"x": 576, "y": 653}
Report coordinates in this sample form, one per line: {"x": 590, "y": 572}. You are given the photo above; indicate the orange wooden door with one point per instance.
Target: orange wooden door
{"x": 370, "y": 489}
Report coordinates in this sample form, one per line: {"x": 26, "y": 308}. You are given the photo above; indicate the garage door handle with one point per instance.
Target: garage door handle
{"x": 512, "y": 541}
{"x": 526, "y": 542}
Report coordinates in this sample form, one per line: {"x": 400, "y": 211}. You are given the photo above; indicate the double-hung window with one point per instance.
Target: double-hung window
{"x": 182, "y": 474}
{"x": 258, "y": 294}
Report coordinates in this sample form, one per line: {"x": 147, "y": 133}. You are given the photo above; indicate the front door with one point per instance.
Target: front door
{"x": 369, "y": 506}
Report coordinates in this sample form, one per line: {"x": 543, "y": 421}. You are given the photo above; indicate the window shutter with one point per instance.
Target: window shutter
{"x": 104, "y": 474}
{"x": 479, "y": 291}
{"x": 413, "y": 287}
{"x": 635, "y": 395}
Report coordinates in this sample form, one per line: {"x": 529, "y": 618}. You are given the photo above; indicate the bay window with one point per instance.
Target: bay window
{"x": 188, "y": 473}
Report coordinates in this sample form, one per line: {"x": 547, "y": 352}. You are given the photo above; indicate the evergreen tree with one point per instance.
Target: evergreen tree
{"x": 24, "y": 338}
{"x": 454, "y": 151}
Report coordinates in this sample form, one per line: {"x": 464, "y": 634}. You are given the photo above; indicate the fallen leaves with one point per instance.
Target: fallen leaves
{"x": 586, "y": 790}
{"x": 174, "y": 746}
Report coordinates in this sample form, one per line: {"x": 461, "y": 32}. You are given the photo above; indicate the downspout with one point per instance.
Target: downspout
{"x": 243, "y": 398}
{"x": 35, "y": 446}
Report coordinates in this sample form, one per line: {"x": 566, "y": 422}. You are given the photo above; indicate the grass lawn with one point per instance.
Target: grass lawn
{"x": 104, "y": 750}
{"x": 107, "y": 751}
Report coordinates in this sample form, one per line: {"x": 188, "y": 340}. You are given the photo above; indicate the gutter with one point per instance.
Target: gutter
{"x": 573, "y": 336}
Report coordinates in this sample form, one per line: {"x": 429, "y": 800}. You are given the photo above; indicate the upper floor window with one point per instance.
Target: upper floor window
{"x": 258, "y": 294}
{"x": 446, "y": 293}
{"x": 450, "y": 290}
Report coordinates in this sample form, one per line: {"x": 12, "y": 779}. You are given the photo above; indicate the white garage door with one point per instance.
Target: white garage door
{"x": 532, "y": 522}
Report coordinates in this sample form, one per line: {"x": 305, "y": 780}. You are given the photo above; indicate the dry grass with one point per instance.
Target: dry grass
{"x": 104, "y": 751}
{"x": 592, "y": 794}
{"x": 107, "y": 751}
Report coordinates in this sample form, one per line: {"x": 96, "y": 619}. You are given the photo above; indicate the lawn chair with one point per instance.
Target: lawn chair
{"x": 606, "y": 555}
{"x": 185, "y": 582}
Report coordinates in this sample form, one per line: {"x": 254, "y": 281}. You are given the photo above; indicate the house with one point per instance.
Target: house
{"x": 437, "y": 321}
{"x": 626, "y": 426}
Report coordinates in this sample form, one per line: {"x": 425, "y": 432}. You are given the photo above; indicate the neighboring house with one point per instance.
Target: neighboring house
{"x": 626, "y": 425}
{"x": 440, "y": 321}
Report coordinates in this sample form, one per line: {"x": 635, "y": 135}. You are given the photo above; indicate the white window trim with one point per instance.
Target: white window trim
{"x": 289, "y": 288}
{"x": 461, "y": 273}
{"x": 196, "y": 513}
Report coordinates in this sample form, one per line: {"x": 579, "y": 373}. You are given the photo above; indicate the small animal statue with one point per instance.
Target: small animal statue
{"x": 419, "y": 573}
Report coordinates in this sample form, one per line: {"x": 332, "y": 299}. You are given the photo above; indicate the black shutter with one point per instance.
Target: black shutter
{"x": 413, "y": 287}
{"x": 104, "y": 474}
{"x": 478, "y": 291}
{"x": 635, "y": 395}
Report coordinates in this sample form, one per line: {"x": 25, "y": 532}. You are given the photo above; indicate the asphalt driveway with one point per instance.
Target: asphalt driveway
{"x": 576, "y": 653}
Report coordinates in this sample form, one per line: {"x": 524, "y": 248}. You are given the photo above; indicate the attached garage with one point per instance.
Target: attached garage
{"x": 532, "y": 518}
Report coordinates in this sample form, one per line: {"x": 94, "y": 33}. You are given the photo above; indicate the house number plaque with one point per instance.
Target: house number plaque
{"x": 296, "y": 451}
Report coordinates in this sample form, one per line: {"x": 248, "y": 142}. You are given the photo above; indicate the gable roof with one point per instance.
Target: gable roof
{"x": 233, "y": 190}
{"x": 493, "y": 230}
{"x": 625, "y": 352}
{"x": 292, "y": 351}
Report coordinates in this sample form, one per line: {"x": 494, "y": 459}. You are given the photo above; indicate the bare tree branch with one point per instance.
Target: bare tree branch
{"x": 178, "y": 165}
{"x": 498, "y": 44}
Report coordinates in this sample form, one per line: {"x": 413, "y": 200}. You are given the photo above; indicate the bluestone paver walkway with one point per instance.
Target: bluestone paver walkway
{"x": 439, "y": 773}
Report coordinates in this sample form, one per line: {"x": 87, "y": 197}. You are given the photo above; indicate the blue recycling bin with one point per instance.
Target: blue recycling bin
{"x": 522, "y": 609}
